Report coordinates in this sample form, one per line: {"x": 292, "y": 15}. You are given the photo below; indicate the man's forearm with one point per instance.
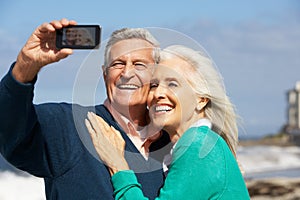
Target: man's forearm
{"x": 15, "y": 109}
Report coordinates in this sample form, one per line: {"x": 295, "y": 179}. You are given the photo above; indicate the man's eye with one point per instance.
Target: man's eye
{"x": 140, "y": 66}
{"x": 153, "y": 85}
{"x": 118, "y": 65}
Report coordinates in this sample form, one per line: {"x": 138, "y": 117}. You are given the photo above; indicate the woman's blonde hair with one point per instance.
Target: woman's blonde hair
{"x": 207, "y": 82}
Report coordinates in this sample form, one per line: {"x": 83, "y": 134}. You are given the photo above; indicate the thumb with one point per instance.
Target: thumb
{"x": 63, "y": 53}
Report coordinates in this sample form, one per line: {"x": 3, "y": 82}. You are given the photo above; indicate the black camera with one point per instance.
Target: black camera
{"x": 78, "y": 37}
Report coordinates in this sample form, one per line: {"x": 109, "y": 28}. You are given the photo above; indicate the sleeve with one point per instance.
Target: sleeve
{"x": 19, "y": 138}
{"x": 182, "y": 183}
{"x": 126, "y": 186}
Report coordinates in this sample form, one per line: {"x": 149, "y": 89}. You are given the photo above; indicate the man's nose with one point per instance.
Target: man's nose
{"x": 128, "y": 70}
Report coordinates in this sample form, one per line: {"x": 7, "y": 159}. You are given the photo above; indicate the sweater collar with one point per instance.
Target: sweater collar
{"x": 202, "y": 122}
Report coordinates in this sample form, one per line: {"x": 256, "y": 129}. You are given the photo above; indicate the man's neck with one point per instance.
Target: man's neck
{"x": 135, "y": 127}
{"x": 136, "y": 115}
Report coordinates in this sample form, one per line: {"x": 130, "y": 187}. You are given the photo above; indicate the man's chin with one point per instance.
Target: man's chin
{"x": 129, "y": 103}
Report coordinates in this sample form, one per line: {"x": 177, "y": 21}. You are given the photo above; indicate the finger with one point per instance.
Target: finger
{"x": 106, "y": 132}
{"x": 119, "y": 142}
{"x": 92, "y": 132}
{"x": 96, "y": 142}
{"x": 72, "y": 22}
{"x": 96, "y": 123}
{"x": 64, "y": 22}
{"x": 114, "y": 137}
{"x": 106, "y": 127}
{"x": 56, "y": 24}
{"x": 63, "y": 53}
{"x": 111, "y": 134}
{"x": 93, "y": 122}
{"x": 98, "y": 126}
{"x": 46, "y": 27}
{"x": 89, "y": 127}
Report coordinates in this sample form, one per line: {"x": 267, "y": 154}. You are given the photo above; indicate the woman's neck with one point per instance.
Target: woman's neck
{"x": 176, "y": 134}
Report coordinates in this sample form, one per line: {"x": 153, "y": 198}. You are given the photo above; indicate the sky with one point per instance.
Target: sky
{"x": 255, "y": 45}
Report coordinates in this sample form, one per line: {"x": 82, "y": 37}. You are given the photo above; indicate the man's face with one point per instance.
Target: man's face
{"x": 128, "y": 75}
{"x": 71, "y": 35}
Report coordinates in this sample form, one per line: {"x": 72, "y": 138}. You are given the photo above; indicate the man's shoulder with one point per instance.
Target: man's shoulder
{"x": 64, "y": 108}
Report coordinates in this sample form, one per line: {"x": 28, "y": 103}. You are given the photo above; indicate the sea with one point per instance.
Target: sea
{"x": 261, "y": 162}
{"x": 258, "y": 162}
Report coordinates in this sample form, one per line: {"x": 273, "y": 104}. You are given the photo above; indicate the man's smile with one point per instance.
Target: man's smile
{"x": 127, "y": 86}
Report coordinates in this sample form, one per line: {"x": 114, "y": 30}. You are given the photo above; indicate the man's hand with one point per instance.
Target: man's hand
{"x": 40, "y": 50}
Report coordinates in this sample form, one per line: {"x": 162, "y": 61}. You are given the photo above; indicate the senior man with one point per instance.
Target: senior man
{"x": 44, "y": 139}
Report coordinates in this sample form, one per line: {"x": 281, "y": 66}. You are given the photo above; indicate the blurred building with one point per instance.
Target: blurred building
{"x": 293, "y": 113}
{"x": 294, "y": 107}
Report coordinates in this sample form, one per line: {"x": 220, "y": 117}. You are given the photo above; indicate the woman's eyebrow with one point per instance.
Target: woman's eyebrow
{"x": 171, "y": 79}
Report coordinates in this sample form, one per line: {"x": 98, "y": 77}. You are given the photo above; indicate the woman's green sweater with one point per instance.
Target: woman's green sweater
{"x": 202, "y": 167}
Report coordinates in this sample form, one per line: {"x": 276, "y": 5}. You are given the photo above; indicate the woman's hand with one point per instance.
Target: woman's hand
{"x": 108, "y": 143}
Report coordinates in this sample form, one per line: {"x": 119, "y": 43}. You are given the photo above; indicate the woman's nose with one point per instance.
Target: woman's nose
{"x": 160, "y": 92}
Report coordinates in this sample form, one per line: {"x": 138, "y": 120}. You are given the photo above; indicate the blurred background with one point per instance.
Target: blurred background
{"x": 255, "y": 44}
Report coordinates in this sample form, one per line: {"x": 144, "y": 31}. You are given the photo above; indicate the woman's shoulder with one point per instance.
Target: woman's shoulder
{"x": 202, "y": 148}
{"x": 199, "y": 135}
{"x": 201, "y": 141}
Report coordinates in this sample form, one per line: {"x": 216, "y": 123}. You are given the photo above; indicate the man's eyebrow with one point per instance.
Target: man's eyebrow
{"x": 116, "y": 60}
{"x": 155, "y": 80}
{"x": 121, "y": 58}
{"x": 145, "y": 60}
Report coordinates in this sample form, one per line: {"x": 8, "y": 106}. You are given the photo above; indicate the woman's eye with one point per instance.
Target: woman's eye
{"x": 173, "y": 84}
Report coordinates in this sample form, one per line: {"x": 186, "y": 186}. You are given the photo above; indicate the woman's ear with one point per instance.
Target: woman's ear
{"x": 202, "y": 102}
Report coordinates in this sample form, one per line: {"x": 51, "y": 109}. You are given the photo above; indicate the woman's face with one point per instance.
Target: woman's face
{"x": 171, "y": 101}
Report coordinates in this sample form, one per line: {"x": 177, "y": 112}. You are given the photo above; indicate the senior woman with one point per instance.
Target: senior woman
{"x": 188, "y": 100}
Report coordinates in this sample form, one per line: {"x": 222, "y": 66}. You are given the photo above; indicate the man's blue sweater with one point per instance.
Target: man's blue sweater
{"x": 51, "y": 141}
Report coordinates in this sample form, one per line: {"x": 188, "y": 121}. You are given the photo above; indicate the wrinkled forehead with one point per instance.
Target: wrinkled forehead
{"x": 137, "y": 47}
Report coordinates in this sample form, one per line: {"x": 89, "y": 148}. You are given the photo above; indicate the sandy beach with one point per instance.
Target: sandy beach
{"x": 274, "y": 188}
{"x": 15, "y": 187}
{"x": 272, "y": 168}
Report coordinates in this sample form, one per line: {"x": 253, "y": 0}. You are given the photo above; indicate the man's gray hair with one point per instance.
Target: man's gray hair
{"x": 131, "y": 33}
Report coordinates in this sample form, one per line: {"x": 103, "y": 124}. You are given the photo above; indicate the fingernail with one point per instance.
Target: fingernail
{"x": 89, "y": 114}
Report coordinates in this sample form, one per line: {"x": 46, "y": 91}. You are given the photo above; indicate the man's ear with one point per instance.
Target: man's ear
{"x": 104, "y": 72}
{"x": 202, "y": 102}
